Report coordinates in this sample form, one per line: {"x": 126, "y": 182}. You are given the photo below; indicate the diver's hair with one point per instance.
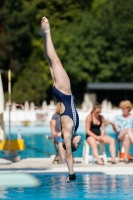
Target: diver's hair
{"x": 58, "y": 108}
{"x": 126, "y": 104}
{"x": 96, "y": 105}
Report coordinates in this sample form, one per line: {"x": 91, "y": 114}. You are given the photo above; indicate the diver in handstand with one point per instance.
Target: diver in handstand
{"x": 62, "y": 91}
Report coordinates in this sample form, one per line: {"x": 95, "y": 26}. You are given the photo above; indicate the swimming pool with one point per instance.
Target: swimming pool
{"x": 92, "y": 185}
{"x": 37, "y": 146}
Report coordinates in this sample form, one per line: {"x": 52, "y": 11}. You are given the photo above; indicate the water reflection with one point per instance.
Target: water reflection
{"x": 3, "y": 193}
{"x": 87, "y": 186}
{"x": 107, "y": 185}
{"x": 91, "y": 186}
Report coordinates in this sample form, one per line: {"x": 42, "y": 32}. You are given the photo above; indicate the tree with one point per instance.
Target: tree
{"x": 92, "y": 38}
{"x": 116, "y": 18}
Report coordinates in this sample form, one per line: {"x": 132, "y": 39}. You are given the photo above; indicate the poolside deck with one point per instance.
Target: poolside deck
{"x": 45, "y": 165}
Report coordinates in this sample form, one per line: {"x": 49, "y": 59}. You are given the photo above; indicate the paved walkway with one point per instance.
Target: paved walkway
{"x": 45, "y": 165}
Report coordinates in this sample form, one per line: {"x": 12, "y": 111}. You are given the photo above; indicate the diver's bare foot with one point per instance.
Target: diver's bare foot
{"x": 45, "y": 27}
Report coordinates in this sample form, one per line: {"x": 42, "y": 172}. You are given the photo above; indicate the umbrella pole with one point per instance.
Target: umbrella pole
{"x": 9, "y": 101}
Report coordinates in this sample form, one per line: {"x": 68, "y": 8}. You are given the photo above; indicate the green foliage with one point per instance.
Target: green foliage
{"x": 117, "y": 18}
{"x": 92, "y": 38}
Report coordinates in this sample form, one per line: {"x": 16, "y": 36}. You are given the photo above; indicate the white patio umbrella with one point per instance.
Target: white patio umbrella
{"x": 44, "y": 106}
{"x": 32, "y": 114}
{"x": 2, "y": 130}
{"x": 14, "y": 117}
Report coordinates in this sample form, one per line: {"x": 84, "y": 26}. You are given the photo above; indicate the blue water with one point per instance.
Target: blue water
{"x": 87, "y": 186}
{"x": 37, "y": 146}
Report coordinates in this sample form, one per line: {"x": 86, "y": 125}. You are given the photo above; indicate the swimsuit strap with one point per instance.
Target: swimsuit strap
{"x": 100, "y": 119}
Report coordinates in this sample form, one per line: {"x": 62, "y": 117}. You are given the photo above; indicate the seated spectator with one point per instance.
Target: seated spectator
{"x": 123, "y": 126}
{"x": 56, "y": 131}
{"x": 94, "y": 134}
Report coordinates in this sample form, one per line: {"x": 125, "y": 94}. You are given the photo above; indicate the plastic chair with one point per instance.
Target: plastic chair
{"x": 86, "y": 152}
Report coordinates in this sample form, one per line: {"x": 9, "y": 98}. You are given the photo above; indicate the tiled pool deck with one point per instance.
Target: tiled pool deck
{"x": 45, "y": 165}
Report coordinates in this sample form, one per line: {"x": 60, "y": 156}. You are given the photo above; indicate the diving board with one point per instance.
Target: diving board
{"x": 18, "y": 180}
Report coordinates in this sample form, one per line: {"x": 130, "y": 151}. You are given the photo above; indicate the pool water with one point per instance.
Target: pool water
{"x": 37, "y": 146}
{"x": 87, "y": 186}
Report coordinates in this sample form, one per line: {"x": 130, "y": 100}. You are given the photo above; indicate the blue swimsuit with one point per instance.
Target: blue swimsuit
{"x": 70, "y": 109}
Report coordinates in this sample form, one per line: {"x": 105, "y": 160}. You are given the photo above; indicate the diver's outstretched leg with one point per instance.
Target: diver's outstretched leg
{"x": 61, "y": 78}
